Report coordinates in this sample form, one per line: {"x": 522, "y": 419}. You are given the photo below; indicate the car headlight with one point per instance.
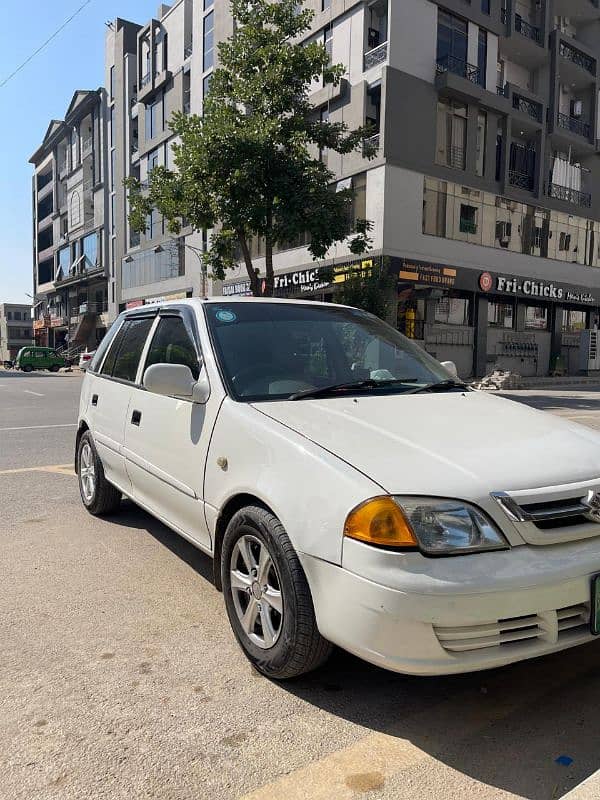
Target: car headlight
{"x": 436, "y": 527}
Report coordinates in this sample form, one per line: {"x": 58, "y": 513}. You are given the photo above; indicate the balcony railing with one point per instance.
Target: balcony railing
{"x": 574, "y": 125}
{"x": 573, "y": 196}
{"x": 458, "y": 67}
{"x": 457, "y": 157}
{"x": 188, "y": 50}
{"x": 145, "y": 79}
{"x": 467, "y": 226}
{"x": 527, "y": 30}
{"x": 501, "y": 91}
{"x": 521, "y": 180}
{"x": 375, "y": 56}
{"x": 575, "y": 56}
{"x": 529, "y": 107}
{"x": 372, "y": 144}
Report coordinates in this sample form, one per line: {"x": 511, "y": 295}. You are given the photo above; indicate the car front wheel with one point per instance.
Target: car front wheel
{"x": 267, "y": 597}
{"x": 98, "y": 495}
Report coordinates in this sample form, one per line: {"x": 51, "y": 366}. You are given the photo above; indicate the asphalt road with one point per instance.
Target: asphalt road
{"x": 119, "y": 677}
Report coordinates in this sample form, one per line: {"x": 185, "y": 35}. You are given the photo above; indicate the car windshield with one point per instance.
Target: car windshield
{"x": 274, "y": 351}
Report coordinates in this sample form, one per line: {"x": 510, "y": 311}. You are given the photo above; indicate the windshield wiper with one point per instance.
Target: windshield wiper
{"x": 369, "y": 383}
{"x": 441, "y": 386}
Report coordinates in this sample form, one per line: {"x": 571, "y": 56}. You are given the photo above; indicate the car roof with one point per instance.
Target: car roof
{"x": 197, "y": 302}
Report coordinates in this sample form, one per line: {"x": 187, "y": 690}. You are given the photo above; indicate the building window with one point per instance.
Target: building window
{"x": 324, "y": 118}
{"x": 208, "y": 4}
{"x": 113, "y": 157}
{"x": 452, "y": 43}
{"x": 64, "y": 263}
{"x": 75, "y": 209}
{"x": 536, "y": 317}
{"x": 482, "y": 50}
{"x": 155, "y": 118}
{"x": 480, "y": 145}
{"x": 90, "y": 251}
{"x": 112, "y": 82}
{"x": 359, "y": 203}
{"x": 485, "y": 7}
{"x": 468, "y": 218}
{"x": 152, "y": 160}
{"x": 451, "y": 134}
{"x": 573, "y": 321}
{"x": 328, "y": 41}
{"x": 74, "y": 148}
{"x": 154, "y": 224}
{"x": 453, "y": 310}
{"x": 112, "y": 213}
{"x": 501, "y": 315}
{"x": 17, "y": 315}
{"x": 208, "y": 41}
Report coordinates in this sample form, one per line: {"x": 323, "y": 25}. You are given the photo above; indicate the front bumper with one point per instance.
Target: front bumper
{"x": 453, "y": 615}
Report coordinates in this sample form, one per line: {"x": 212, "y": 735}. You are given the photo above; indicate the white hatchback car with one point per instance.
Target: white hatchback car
{"x": 349, "y": 489}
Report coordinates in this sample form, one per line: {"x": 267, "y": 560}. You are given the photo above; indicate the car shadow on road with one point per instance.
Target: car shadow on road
{"x": 133, "y": 516}
{"x": 591, "y": 402}
{"x": 505, "y": 728}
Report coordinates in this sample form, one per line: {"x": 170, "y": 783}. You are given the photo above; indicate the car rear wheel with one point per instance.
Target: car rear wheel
{"x": 98, "y": 495}
{"x": 54, "y": 368}
{"x": 267, "y": 597}
{"x": 27, "y": 368}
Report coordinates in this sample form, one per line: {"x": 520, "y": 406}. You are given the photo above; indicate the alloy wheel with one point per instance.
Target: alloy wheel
{"x": 256, "y": 591}
{"x": 87, "y": 473}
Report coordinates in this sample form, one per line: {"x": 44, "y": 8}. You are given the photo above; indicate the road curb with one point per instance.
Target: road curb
{"x": 588, "y": 790}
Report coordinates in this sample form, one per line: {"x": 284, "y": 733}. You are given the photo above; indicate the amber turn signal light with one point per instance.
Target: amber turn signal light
{"x": 379, "y": 521}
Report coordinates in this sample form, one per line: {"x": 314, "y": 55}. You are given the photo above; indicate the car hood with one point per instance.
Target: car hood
{"x": 460, "y": 444}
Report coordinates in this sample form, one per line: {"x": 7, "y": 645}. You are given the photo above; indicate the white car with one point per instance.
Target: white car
{"x": 85, "y": 359}
{"x": 349, "y": 489}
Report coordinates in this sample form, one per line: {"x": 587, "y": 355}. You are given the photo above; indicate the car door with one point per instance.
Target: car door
{"x": 166, "y": 438}
{"x": 109, "y": 395}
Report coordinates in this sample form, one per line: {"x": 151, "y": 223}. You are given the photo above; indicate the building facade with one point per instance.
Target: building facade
{"x": 69, "y": 232}
{"x": 152, "y": 71}
{"x": 15, "y": 329}
{"x": 483, "y": 193}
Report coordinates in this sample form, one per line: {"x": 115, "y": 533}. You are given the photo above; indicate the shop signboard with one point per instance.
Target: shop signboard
{"x": 532, "y": 288}
{"x": 305, "y": 281}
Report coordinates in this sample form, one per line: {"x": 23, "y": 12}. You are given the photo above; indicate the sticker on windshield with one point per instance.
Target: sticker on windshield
{"x": 226, "y": 316}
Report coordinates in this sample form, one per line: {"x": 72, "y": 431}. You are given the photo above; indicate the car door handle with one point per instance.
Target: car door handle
{"x": 136, "y": 417}
{"x": 94, "y": 399}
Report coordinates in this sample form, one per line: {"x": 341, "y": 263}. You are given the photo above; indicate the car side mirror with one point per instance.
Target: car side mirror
{"x": 450, "y": 367}
{"x": 176, "y": 380}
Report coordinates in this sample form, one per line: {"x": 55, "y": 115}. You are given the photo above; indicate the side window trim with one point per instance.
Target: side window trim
{"x": 144, "y": 354}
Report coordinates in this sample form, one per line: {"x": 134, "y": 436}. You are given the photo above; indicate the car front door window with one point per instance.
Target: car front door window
{"x": 172, "y": 343}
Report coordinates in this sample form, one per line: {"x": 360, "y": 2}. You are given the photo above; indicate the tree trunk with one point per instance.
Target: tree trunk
{"x": 254, "y": 281}
{"x": 269, "y": 277}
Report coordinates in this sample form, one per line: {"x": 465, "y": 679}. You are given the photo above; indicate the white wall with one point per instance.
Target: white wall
{"x": 413, "y": 37}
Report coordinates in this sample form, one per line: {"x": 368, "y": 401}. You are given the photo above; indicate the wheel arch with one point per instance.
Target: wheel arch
{"x": 231, "y": 507}
{"x": 83, "y": 427}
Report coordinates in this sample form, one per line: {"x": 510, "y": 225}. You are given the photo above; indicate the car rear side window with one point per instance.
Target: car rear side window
{"x": 124, "y": 355}
{"x": 173, "y": 344}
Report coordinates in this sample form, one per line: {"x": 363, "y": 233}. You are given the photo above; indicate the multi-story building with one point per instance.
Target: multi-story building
{"x": 15, "y": 329}
{"x": 69, "y": 234}
{"x": 152, "y": 71}
{"x": 484, "y": 191}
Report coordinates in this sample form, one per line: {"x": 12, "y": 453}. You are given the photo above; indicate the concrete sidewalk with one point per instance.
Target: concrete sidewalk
{"x": 588, "y": 790}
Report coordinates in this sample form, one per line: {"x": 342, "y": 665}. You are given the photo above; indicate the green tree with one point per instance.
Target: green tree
{"x": 373, "y": 290}
{"x": 249, "y": 166}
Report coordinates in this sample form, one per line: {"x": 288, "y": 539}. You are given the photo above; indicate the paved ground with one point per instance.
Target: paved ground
{"x": 119, "y": 677}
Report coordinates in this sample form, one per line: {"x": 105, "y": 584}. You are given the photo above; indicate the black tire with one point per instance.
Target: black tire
{"x": 27, "y": 368}
{"x": 299, "y": 647}
{"x": 54, "y": 368}
{"x": 105, "y": 498}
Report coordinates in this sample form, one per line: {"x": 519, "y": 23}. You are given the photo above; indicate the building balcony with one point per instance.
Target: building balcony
{"x": 522, "y": 26}
{"x": 574, "y": 125}
{"x": 528, "y": 107}
{"x": 188, "y": 50}
{"x": 372, "y": 145}
{"x": 45, "y": 190}
{"x": 378, "y": 55}
{"x": 456, "y": 66}
{"x": 47, "y": 252}
{"x": 521, "y": 180}
{"x": 577, "y": 57}
{"x": 568, "y": 195}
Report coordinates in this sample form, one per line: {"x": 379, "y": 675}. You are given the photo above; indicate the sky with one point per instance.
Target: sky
{"x": 42, "y": 91}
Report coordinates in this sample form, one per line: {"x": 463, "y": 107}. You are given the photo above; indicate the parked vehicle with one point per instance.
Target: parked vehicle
{"x": 85, "y": 359}
{"x": 30, "y": 358}
{"x": 350, "y": 490}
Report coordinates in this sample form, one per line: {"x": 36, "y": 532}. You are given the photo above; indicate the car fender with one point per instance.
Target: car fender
{"x": 308, "y": 488}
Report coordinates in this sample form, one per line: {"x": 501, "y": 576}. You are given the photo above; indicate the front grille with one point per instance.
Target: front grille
{"x": 550, "y": 627}
{"x": 551, "y": 514}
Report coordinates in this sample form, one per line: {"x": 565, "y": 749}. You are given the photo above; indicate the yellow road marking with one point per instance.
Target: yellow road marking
{"x": 57, "y": 469}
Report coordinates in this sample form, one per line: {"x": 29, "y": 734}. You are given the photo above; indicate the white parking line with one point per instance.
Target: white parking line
{"x": 39, "y": 427}
{"x": 28, "y": 391}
